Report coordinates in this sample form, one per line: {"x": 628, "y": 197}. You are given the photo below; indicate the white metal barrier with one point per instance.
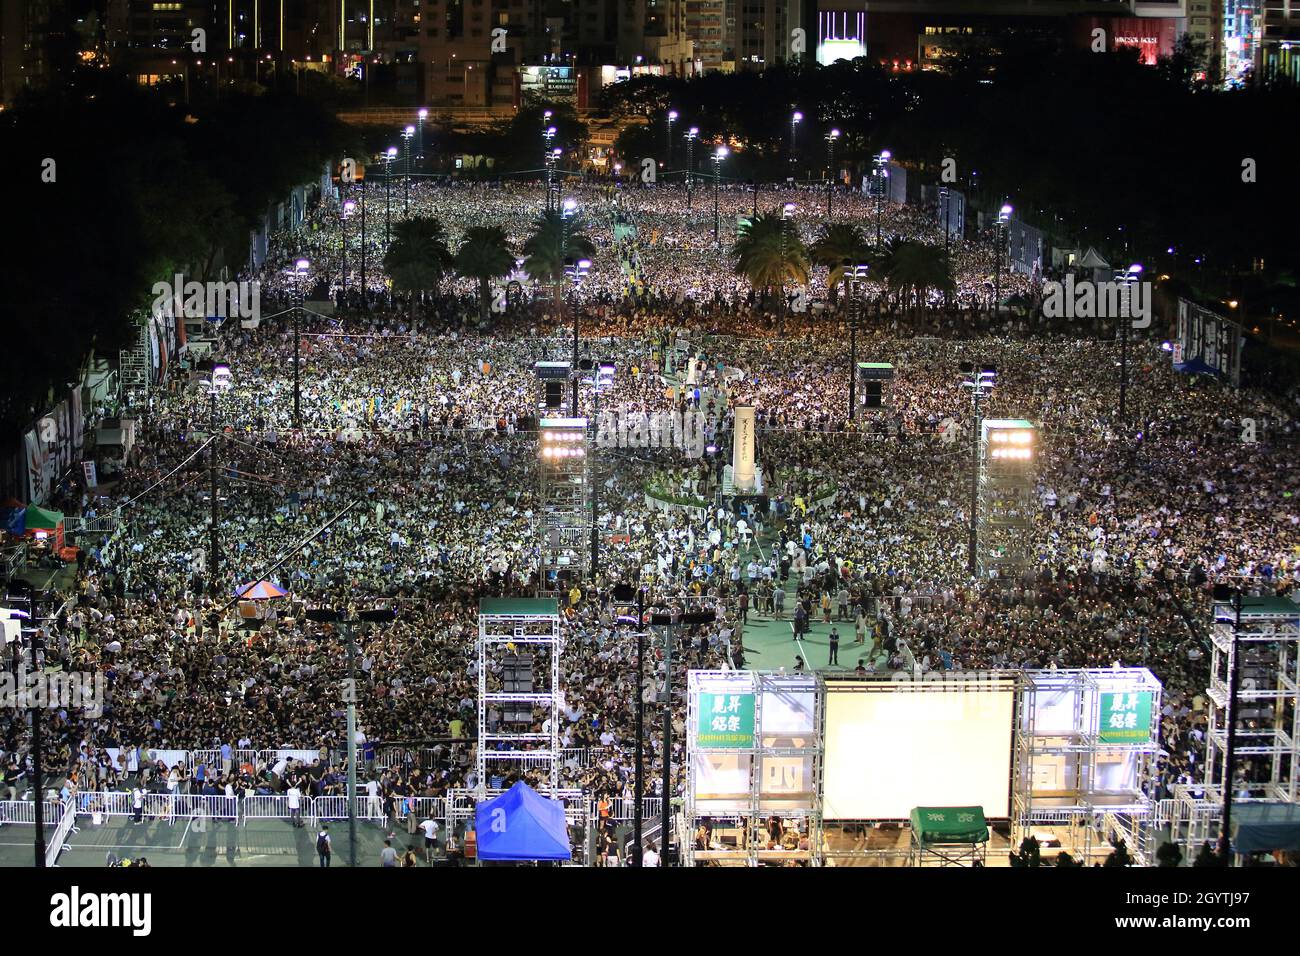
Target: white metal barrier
{"x": 261, "y": 807}
{"x": 24, "y": 811}
{"x": 67, "y": 823}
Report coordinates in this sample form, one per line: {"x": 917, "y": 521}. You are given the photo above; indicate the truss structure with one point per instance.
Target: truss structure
{"x": 1268, "y": 641}
{"x": 754, "y": 752}
{"x": 514, "y": 633}
{"x": 1085, "y": 764}
{"x": 564, "y": 506}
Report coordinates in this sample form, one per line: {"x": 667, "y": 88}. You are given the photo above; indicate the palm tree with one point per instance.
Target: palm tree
{"x": 839, "y": 243}
{"x": 418, "y": 256}
{"x": 484, "y": 254}
{"x": 771, "y": 254}
{"x": 913, "y": 268}
{"x": 553, "y": 243}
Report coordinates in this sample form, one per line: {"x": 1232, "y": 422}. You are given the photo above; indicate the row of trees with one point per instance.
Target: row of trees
{"x": 772, "y": 256}
{"x": 1095, "y": 148}
{"x": 420, "y": 256}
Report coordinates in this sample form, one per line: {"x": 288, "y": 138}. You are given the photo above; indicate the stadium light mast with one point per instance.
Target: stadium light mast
{"x": 300, "y": 276}
{"x": 718, "y": 157}
{"x": 671, "y": 621}
{"x": 217, "y": 383}
{"x": 831, "y": 137}
{"x": 692, "y": 135}
{"x": 795, "y": 119}
{"x": 407, "y": 133}
{"x": 855, "y": 274}
{"x": 880, "y": 173}
{"x": 1126, "y": 279}
{"x": 999, "y": 240}
{"x": 623, "y": 593}
{"x": 980, "y": 381}
{"x": 389, "y": 156}
{"x": 548, "y": 157}
{"x": 344, "y": 213}
{"x": 346, "y": 625}
{"x": 672, "y": 118}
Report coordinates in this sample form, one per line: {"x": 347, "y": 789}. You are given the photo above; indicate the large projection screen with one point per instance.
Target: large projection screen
{"x": 906, "y": 744}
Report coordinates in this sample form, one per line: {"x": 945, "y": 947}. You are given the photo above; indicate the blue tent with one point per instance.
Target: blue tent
{"x": 521, "y": 824}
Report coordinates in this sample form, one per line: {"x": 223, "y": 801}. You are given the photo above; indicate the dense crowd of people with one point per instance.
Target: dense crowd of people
{"x": 413, "y": 473}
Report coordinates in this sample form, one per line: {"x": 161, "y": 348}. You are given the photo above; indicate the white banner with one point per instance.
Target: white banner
{"x": 742, "y": 452}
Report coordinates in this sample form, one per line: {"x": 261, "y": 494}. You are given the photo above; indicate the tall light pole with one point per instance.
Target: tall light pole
{"x": 672, "y": 118}
{"x": 854, "y": 274}
{"x": 363, "y": 238}
{"x": 548, "y": 160}
{"x": 999, "y": 240}
{"x": 344, "y": 213}
{"x": 388, "y": 190}
{"x": 691, "y": 135}
{"x": 602, "y": 373}
{"x": 787, "y": 215}
{"x": 1127, "y": 279}
{"x": 947, "y": 232}
{"x": 406, "y": 144}
{"x": 576, "y": 271}
{"x": 719, "y": 155}
{"x": 346, "y": 625}
{"x": 300, "y": 277}
{"x": 980, "y": 381}
{"x": 831, "y": 137}
{"x": 623, "y": 593}
{"x": 671, "y": 621}
{"x": 422, "y": 115}
{"x": 795, "y": 119}
{"x": 217, "y": 383}
{"x": 880, "y": 171}
{"x": 568, "y": 209}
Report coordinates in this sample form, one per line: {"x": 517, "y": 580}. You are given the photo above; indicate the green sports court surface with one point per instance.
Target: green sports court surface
{"x": 195, "y": 842}
{"x": 769, "y": 644}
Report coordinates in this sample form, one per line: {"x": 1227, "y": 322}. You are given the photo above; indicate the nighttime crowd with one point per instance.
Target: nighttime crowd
{"x": 417, "y": 427}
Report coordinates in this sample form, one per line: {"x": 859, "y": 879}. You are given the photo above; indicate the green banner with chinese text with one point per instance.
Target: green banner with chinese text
{"x": 725, "y": 721}
{"x": 1125, "y": 718}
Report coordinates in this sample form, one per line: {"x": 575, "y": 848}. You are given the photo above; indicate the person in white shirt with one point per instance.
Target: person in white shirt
{"x": 430, "y": 828}
{"x": 650, "y": 857}
{"x": 295, "y": 805}
{"x": 372, "y": 798}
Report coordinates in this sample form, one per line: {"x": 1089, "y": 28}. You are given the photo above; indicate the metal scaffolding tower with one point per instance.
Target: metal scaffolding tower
{"x": 564, "y": 506}
{"x": 754, "y": 755}
{"x": 519, "y": 729}
{"x": 1007, "y": 467}
{"x": 1264, "y": 644}
{"x": 1085, "y": 766}
{"x": 133, "y": 362}
{"x": 1268, "y": 641}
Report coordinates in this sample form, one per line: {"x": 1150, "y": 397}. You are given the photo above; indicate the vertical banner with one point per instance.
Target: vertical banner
{"x": 742, "y": 451}
{"x": 88, "y": 473}
{"x": 35, "y": 457}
